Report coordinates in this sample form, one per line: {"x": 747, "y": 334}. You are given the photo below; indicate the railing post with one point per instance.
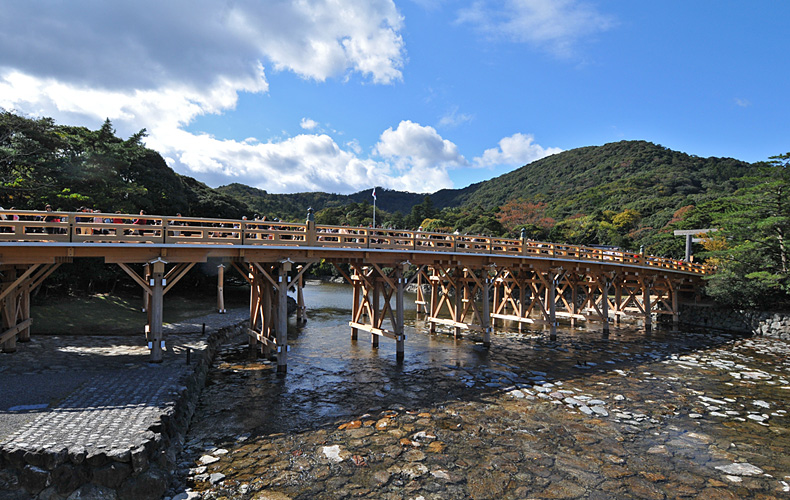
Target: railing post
{"x": 310, "y": 235}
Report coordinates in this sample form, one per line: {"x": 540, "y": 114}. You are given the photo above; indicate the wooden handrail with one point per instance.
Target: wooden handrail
{"x": 77, "y": 227}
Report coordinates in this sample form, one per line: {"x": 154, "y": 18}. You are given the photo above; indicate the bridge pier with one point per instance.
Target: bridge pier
{"x": 155, "y": 284}
{"x": 282, "y": 316}
{"x": 156, "y": 339}
{"x": 17, "y": 283}
{"x": 372, "y": 295}
{"x": 647, "y": 307}
{"x": 221, "y": 289}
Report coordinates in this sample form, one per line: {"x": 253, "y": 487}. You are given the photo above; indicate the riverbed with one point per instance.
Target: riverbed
{"x": 635, "y": 414}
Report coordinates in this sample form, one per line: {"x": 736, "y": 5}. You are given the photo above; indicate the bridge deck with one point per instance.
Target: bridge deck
{"x": 28, "y": 237}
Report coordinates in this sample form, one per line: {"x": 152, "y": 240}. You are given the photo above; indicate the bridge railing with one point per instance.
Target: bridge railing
{"x": 85, "y": 227}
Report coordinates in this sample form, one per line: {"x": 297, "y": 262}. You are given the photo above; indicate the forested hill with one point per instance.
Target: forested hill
{"x": 626, "y": 174}
{"x": 636, "y": 175}
{"x": 614, "y": 176}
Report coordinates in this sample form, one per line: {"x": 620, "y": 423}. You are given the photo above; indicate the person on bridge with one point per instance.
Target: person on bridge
{"x": 50, "y": 218}
{"x": 140, "y": 221}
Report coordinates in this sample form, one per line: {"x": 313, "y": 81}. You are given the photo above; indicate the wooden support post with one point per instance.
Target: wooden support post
{"x": 434, "y": 301}
{"x": 646, "y": 290}
{"x": 221, "y": 289}
{"x": 301, "y": 308}
{"x": 282, "y": 317}
{"x": 420, "y": 295}
{"x": 9, "y": 308}
{"x": 618, "y": 300}
{"x": 356, "y": 303}
{"x": 460, "y": 290}
{"x": 375, "y": 303}
{"x": 24, "y": 306}
{"x": 268, "y": 316}
{"x": 400, "y": 337}
{"x": 674, "y": 290}
{"x": 156, "y": 340}
{"x": 522, "y": 296}
{"x": 254, "y": 312}
{"x": 146, "y": 295}
{"x": 552, "y": 293}
{"x": 485, "y": 314}
{"x": 605, "y": 304}
{"x": 496, "y": 303}
{"x": 574, "y": 301}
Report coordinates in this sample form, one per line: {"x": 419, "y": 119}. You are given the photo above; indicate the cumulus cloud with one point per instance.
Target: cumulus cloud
{"x": 553, "y": 25}
{"x": 413, "y": 158}
{"x": 149, "y": 43}
{"x": 159, "y": 65}
{"x": 308, "y": 124}
{"x": 418, "y": 145}
{"x": 516, "y": 150}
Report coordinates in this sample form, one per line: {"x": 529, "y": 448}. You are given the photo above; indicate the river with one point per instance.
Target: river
{"x": 688, "y": 414}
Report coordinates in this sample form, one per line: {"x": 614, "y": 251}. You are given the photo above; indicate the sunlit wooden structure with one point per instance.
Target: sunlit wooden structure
{"x": 475, "y": 281}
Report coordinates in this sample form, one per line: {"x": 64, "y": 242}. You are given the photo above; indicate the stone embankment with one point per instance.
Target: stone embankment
{"x": 89, "y": 417}
{"x": 771, "y": 324}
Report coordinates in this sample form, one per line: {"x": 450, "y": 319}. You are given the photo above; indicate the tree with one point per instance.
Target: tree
{"x": 753, "y": 230}
{"x": 516, "y": 214}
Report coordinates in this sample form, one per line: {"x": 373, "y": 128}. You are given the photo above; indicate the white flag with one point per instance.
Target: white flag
{"x": 374, "y": 193}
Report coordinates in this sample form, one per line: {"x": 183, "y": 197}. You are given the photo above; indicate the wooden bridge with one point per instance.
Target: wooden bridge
{"x": 474, "y": 281}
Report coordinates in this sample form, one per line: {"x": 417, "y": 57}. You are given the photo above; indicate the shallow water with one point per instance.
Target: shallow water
{"x": 631, "y": 415}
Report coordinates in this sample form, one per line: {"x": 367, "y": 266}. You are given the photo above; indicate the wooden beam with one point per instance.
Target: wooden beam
{"x": 11, "y": 332}
{"x": 10, "y": 288}
{"x": 136, "y": 277}
{"x": 184, "y": 270}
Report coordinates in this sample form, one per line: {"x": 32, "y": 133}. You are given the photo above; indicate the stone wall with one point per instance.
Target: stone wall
{"x": 137, "y": 474}
{"x": 771, "y": 324}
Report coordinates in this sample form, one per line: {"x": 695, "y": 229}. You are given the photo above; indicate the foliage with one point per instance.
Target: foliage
{"x": 750, "y": 246}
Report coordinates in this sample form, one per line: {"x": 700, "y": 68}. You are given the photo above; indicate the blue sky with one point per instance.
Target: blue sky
{"x": 418, "y": 95}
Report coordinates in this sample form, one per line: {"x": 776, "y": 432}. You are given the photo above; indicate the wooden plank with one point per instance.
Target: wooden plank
{"x": 185, "y": 267}
{"x": 454, "y": 324}
{"x": 11, "y": 332}
{"x": 511, "y": 317}
{"x": 136, "y": 277}
{"x": 262, "y": 338}
{"x": 373, "y": 330}
{"x": 11, "y": 287}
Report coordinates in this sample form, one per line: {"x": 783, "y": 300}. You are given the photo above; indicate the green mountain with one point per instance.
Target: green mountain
{"x": 638, "y": 175}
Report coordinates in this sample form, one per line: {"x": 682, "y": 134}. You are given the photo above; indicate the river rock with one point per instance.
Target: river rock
{"x": 740, "y": 469}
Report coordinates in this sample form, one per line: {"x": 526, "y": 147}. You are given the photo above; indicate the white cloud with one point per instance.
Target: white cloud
{"x": 156, "y": 64}
{"x": 516, "y": 150}
{"x": 159, "y": 65}
{"x": 150, "y": 43}
{"x": 453, "y": 118}
{"x": 743, "y": 103}
{"x": 308, "y": 124}
{"x": 553, "y": 25}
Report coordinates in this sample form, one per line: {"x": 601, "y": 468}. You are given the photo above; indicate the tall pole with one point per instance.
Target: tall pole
{"x": 374, "y": 208}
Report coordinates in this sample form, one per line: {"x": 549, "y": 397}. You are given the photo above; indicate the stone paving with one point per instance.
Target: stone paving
{"x": 89, "y": 395}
